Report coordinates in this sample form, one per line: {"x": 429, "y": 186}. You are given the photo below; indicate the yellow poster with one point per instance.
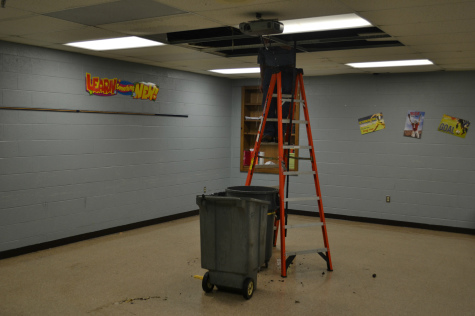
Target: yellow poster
{"x": 453, "y": 126}
{"x": 371, "y": 123}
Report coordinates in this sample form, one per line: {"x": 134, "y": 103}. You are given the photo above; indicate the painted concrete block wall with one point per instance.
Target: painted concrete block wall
{"x": 65, "y": 174}
{"x": 430, "y": 180}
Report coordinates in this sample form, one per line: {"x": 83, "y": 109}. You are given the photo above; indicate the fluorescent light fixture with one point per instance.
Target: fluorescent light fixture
{"x": 234, "y": 71}
{"x": 115, "y": 43}
{"x": 324, "y": 23}
{"x": 395, "y": 63}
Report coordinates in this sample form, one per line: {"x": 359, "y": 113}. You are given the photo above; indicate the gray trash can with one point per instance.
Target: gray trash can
{"x": 261, "y": 193}
{"x": 233, "y": 234}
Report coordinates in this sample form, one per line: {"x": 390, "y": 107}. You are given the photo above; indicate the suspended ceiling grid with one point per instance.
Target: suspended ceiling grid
{"x": 440, "y": 30}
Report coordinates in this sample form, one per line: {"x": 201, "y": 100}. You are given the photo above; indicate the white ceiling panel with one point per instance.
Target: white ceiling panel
{"x": 85, "y": 33}
{"x": 438, "y": 55}
{"x": 458, "y": 65}
{"x": 156, "y": 50}
{"x": 429, "y": 13}
{"x": 46, "y": 6}
{"x": 12, "y": 13}
{"x": 328, "y": 72}
{"x": 185, "y": 56}
{"x": 357, "y": 59}
{"x": 208, "y": 64}
{"x": 361, "y": 53}
{"x": 374, "y": 5}
{"x": 125, "y": 10}
{"x": 401, "y": 69}
{"x": 27, "y": 41}
{"x": 34, "y": 25}
{"x": 176, "y": 23}
{"x": 282, "y": 10}
{"x": 466, "y": 47}
{"x": 207, "y": 5}
{"x": 433, "y": 39}
{"x": 434, "y": 28}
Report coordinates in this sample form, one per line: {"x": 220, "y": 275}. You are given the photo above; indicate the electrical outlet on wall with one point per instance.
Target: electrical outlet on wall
{"x": 388, "y": 199}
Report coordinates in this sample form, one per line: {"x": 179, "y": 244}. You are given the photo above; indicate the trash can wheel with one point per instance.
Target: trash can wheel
{"x": 205, "y": 284}
{"x": 248, "y": 288}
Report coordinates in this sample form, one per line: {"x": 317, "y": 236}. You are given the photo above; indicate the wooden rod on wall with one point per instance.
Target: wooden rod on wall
{"x": 89, "y": 111}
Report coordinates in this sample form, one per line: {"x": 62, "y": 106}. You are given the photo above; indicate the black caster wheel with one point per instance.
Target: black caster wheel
{"x": 248, "y": 288}
{"x": 205, "y": 284}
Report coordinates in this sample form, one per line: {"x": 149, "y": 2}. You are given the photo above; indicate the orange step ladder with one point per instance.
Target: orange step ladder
{"x": 283, "y": 162}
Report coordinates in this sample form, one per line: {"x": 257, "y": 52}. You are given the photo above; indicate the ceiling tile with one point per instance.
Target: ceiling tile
{"x": 382, "y": 57}
{"x": 328, "y": 72}
{"x": 185, "y": 54}
{"x": 370, "y": 5}
{"x": 22, "y": 40}
{"x": 159, "y": 25}
{"x": 84, "y": 33}
{"x": 207, "y": 5}
{"x": 432, "y": 13}
{"x": 445, "y": 38}
{"x": 156, "y": 50}
{"x": 9, "y": 13}
{"x": 442, "y": 27}
{"x": 461, "y": 47}
{"x": 364, "y": 52}
{"x": 44, "y": 6}
{"x": 282, "y": 10}
{"x": 402, "y": 69}
{"x": 465, "y": 64}
{"x": 450, "y": 54}
{"x": 125, "y": 10}
{"x": 34, "y": 25}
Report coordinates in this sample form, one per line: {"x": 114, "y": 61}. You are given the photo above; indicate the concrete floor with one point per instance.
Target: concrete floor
{"x": 149, "y": 271}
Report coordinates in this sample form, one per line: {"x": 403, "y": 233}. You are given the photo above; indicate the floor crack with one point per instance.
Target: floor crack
{"x": 132, "y": 300}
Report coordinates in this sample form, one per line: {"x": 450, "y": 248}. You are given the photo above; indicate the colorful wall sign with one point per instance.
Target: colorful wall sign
{"x": 100, "y": 86}
{"x": 109, "y": 87}
{"x": 453, "y": 126}
{"x": 371, "y": 123}
{"x": 414, "y": 122}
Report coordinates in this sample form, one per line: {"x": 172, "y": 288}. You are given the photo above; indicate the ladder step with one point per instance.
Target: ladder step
{"x": 287, "y": 98}
{"x": 266, "y": 166}
{"x": 300, "y": 158}
{"x": 287, "y": 121}
{"x": 302, "y": 252}
{"x": 296, "y": 173}
{"x": 304, "y": 225}
{"x": 306, "y": 198}
{"x": 296, "y": 147}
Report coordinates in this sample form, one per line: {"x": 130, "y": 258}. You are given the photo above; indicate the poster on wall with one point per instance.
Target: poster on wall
{"x": 414, "y": 122}
{"x": 371, "y": 123}
{"x": 454, "y": 126}
{"x": 110, "y": 87}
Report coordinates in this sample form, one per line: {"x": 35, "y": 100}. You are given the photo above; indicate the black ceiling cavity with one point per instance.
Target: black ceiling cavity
{"x": 230, "y": 42}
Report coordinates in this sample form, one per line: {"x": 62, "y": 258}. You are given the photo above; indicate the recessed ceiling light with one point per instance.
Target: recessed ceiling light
{"x": 324, "y": 23}
{"x": 237, "y": 71}
{"x": 115, "y": 43}
{"x": 395, "y": 63}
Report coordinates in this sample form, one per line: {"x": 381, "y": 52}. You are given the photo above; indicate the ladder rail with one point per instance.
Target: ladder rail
{"x": 314, "y": 167}
{"x": 282, "y": 164}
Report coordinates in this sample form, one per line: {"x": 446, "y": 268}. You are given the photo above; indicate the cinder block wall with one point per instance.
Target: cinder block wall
{"x": 66, "y": 174}
{"x": 430, "y": 180}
